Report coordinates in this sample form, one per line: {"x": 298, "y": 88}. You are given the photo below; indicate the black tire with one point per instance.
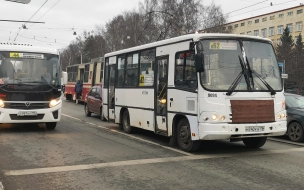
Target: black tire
{"x": 126, "y": 122}
{"x": 254, "y": 142}
{"x": 184, "y": 137}
{"x": 295, "y": 132}
{"x": 86, "y": 111}
{"x": 51, "y": 125}
{"x": 101, "y": 115}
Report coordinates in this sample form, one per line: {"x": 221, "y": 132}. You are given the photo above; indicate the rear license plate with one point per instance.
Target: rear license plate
{"x": 27, "y": 113}
{"x": 254, "y": 128}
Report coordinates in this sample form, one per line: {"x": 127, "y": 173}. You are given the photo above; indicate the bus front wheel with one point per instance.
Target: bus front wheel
{"x": 126, "y": 122}
{"x": 51, "y": 125}
{"x": 184, "y": 137}
{"x": 254, "y": 142}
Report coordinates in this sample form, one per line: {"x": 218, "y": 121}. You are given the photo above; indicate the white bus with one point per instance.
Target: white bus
{"x": 197, "y": 87}
{"x": 30, "y": 85}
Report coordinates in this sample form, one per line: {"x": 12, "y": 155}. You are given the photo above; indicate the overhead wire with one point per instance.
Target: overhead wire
{"x": 32, "y": 17}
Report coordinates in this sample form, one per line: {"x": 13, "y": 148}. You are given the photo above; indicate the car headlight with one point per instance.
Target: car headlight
{"x": 1, "y": 104}
{"x": 55, "y": 102}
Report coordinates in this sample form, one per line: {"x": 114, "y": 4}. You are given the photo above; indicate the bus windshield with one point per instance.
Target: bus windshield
{"x": 29, "y": 68}
{"x": 224, "y": 59}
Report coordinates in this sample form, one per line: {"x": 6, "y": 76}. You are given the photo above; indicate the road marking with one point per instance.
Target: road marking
{"x": 131, "y": 136}
{"x": 142, "y": 162}
{"x": 71, "y": 117}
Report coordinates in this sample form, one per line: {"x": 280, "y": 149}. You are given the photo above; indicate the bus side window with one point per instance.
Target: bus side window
{"x": 185, "y": 72}
{"x": 120, "y": 71}
{"x": 146, "y": 72}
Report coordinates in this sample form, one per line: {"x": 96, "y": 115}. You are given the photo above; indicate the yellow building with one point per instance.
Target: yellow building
{"x": 272, "y": 25}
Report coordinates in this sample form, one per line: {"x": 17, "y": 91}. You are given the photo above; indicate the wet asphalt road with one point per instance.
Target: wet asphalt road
{"x": 86, "y": 153}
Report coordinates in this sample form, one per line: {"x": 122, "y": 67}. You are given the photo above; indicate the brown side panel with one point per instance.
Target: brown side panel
{"x": 252, "y": 111}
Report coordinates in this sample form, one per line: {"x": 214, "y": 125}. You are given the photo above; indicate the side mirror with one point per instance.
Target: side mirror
{"x": 199, "y": 62}
{"x": 64, "y": 79}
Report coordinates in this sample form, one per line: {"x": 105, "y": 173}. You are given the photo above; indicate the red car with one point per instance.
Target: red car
{"x": 93, "y": 102}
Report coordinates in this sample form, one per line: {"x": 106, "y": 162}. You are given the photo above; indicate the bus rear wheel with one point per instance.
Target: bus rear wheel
{"x": 51, "y": 125}
{"x": 126, "y": 122}
{"x": 254, "y": 142}
{"x": 184, "y": 137}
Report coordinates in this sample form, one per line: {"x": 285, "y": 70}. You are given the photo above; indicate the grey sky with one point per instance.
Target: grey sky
{"x": 86, "y": 14}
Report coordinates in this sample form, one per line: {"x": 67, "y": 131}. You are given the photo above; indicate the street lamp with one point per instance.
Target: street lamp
{"x": 20, "y": 1}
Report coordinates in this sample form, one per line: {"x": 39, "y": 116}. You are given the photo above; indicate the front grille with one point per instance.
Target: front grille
{"x": 27, "y": 106}
{"x": 16, "y": 117}
{"x": 252, "y": 111}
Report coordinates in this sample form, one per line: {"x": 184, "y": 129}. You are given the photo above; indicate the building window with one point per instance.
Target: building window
{"x": 299, "y": 26}
{"x": 256, "y": 33}
{"x": 243, "y": 24}
{"x": 281, "y": 15}
{"x": 229, "y": 27}
{"x": 279, "y": 42}
{"x": 296, "y": 39}
{"x": 249, "y": 33}
{"x": 271, "y": 31}
{"x": 264, "y": 19}
{"x": 235, "y": 26}
{"x": 249, "y": 22}
{"x": 263, "y": 32}
{"x": 290, "y": 13}
{"x": 242, "y": 33}
{"x": 256, "y": 21}
{"x": 272, "y": 17}
{"x": 299, "y": 11}
{"x": 289, "y": 26}
{"x": 280, "y": 29}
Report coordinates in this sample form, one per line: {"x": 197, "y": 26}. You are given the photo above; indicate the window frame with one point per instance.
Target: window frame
{"x": 184, "y": 71}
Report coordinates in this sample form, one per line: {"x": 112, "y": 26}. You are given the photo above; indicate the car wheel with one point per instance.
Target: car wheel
{"x": 254, "y": 142}
{"x": 51, "y": 125}
{"x": 86, "y": 111}
{"x": 184, "y": 137}
{"x": 126, "y": 122}
{"x": 295, "y": 132}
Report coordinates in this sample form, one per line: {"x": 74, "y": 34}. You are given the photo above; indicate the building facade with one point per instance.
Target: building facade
{"x": 272, "y": 25}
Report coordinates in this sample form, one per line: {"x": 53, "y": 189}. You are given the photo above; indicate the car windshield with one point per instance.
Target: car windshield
{"x": 295, "y": 101}
{"x": 224, "y": 59}
{"x": 29, "y": 68}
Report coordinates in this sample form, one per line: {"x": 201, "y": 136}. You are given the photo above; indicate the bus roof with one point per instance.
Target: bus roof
{"x": 184, "y": 38}
{"x": 27, "y": 48}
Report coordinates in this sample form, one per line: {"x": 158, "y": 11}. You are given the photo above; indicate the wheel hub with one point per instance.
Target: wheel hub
{"x": 184, "y": 134}
{"x": 295, "y": 132}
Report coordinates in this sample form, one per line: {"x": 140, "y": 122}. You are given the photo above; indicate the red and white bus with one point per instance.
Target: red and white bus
{"x": 89, "y": 74}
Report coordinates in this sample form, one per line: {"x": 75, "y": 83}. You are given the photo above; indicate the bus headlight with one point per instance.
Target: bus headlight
{"x": 2, "y": 104}
{"x": 281, "y": 116}
{"x": 214, "y": 117}
{"x": 163, "y": 101}
{"x": 54, "y": 102}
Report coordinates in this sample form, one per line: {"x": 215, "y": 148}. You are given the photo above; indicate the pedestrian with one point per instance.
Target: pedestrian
{"x": 78, "y": 90}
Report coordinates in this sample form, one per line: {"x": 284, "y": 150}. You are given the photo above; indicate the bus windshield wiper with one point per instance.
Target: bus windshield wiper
{"x": 272, "y": 91}
{"x": 239, "y": 78}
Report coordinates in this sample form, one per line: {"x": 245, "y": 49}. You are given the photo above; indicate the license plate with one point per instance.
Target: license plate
{"x": 254, "y": 128}
{"x": 27, "y": 113}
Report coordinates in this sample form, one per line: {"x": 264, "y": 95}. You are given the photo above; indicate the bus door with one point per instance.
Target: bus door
{"x": 161, "y": 94}
{"x": 111, "y": 91}
{"x": 94, "y": 73}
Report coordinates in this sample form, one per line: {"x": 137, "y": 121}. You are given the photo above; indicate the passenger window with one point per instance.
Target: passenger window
{"x": 131, "y": 78}
{"x": 185, "y": 72}
{"x": 120, "y": 71}
{"x": 147, "y": 61}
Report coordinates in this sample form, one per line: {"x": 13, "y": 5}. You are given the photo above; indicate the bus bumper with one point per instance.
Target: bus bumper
{"x": 43, "y": 115}
{"x": 220, "y": 131}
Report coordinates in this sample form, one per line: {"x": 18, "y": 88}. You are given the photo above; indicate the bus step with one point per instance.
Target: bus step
{"x": 162, "y": 132}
